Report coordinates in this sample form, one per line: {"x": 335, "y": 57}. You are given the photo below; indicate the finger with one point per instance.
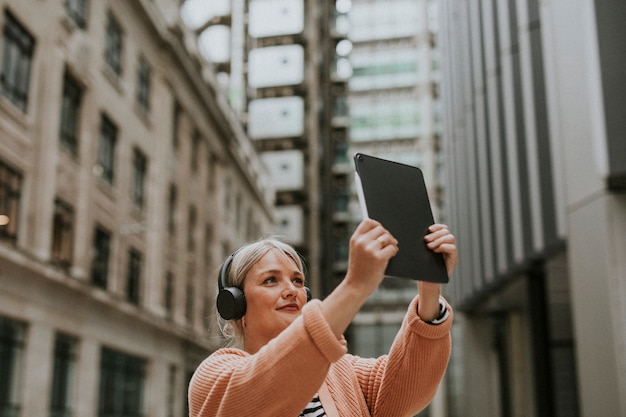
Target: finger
{"x": 379, "y": 234}
{"x": 367, "y": 225}
{"x": 437, "y": 226}
{"x": 434, "y": 240}
{"x": 447, "y": 248}
{"x": 436, "y": 233}
{"x": 390, "y": 250}
{"x": 386, "y": 238}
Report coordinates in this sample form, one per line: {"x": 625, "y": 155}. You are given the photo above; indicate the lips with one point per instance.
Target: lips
{"x": 290, "y": 307}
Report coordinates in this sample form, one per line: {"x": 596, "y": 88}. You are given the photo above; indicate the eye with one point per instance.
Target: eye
{"x": 298, "y": 281}
{"x": 269, "y": 280}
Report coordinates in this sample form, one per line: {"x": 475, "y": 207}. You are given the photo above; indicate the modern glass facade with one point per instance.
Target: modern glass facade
{"x": 536, "y": 205}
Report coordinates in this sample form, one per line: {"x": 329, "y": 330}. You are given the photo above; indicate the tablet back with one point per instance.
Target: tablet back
{"x": 395, "y": 195}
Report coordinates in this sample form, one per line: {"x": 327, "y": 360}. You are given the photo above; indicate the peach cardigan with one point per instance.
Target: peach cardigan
{"x": 282, "y": 377}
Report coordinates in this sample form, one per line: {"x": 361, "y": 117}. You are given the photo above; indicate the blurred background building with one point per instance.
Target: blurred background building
{"x": 143, "y": 140}
{"x": 268, "y": 56}
{"x": 394, "y": 113}
{"x": 125, "y": 179}
{"x": 534, "y": 99}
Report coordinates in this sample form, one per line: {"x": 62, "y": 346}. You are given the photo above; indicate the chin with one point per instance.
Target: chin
{"x": 289, "y": 317}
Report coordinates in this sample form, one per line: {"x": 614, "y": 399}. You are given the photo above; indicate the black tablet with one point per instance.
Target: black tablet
{"x": 395, "y": 195}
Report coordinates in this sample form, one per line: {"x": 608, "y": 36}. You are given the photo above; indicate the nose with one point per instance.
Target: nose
{"x": 290, "y": 290}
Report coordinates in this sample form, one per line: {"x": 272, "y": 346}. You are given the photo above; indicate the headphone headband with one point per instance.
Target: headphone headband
{"x": 221, "y": 282}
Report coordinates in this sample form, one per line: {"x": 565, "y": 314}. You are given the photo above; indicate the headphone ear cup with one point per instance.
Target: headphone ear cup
{"x": 308, "y": 294}
{"x": 231, "y": 303}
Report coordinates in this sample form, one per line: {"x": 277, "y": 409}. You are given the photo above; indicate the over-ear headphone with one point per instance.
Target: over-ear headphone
{"x": 231, "y": 302}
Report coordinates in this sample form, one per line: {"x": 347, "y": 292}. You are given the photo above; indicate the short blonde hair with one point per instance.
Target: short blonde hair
{"x": 243, "y": 260}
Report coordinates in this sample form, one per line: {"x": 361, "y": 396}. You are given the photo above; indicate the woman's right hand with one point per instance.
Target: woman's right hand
{"x": 371, "y": 248}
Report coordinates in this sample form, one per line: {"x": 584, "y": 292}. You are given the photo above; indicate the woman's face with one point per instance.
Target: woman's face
{"x": 275, "y": 294}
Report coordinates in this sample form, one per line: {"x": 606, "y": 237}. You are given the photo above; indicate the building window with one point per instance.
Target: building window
{"x": 143, "y": 84}
{"x": 228, "y": 198}
{"x": 171, "y": 390}
{"x": 106, "y": 150}
{"x": 195, "y": 150}
{"x": 238, "y": 207}
{"x": 70, "y": 113}
{"x": 191, "y": 233}
{"x": 168, "y": 294}
{"x": 340, "y": 106}
{"x": 139, "y": 178}
{"x": 62, "y": 234}
{"x": 340, "y": 202}
{"x": 122, "y": 379}
{"x": 208, "y": 239}
{"x": 171, "y": 213}
{"x": 100, "y": 261}
{"x": 341, "y": 250}
{"x": 17, "y": 55}
{"x": 11, "y": 356}
{"x": 113, "y": 45}
{"x": 77, "y": 11}
{"x": 133, "y": 282}
{"x": 249, "y": 224}
{"x": 175, "y": 124}
{"x": 385, "y": 120}
{"x": 211, "y": 169}
{"x": 340, "y": 152}
{"x": 189, "y": 303}
{"x": 63, "y": 376}
{"x": 10, "y": 194}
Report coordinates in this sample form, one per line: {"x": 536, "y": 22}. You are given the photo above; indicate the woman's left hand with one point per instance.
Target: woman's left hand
{"x": 440, "y": 240}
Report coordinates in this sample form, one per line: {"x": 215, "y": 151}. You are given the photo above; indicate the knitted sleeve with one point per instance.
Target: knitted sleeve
{"x": 232, "y": 382}
{"x": 404, "y": 382}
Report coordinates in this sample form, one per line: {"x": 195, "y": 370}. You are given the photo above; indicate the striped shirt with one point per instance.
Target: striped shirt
{"x": 314, "y": 408}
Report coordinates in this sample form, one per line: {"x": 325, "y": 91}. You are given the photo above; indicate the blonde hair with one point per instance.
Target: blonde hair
{"x": 243, "y": 260}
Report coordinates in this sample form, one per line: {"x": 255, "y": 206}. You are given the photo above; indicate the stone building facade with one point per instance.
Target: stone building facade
{"x": 124, "y": 182}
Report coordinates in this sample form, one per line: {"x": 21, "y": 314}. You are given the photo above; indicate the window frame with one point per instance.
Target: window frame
{"x": 63, "y": 375}
{"x": 17, "y": 55}
{"x": 169, "y": 294}
{"x": 172, "y": 202}
{"x": 76, "y": 10}
{"x": 11, "y": 181}
{"x": 62, "y": 234}
{"x": 70, "y": 113}
{"x": 106, "y": 149}
{"x": 12, "y": 344}
{"x": 133, "y": 276}
{"x": 144, "y": 83}
{"x": 113, "y": 44}
{"x": 122, "y": 383}
{"x": 140, "y": 168}
{"x": 101, "y": 259}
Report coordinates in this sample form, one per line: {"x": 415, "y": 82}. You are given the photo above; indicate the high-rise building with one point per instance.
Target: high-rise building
{"x": 534, "y": 126}
{"x": 125, "y": 180}
{"x": 394, "y": 113}
{"x": 393, "y": 103}
{"x": 271, "y": 73}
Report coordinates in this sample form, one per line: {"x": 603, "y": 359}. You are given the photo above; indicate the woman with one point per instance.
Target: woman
{"x": 291, "y": 353}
